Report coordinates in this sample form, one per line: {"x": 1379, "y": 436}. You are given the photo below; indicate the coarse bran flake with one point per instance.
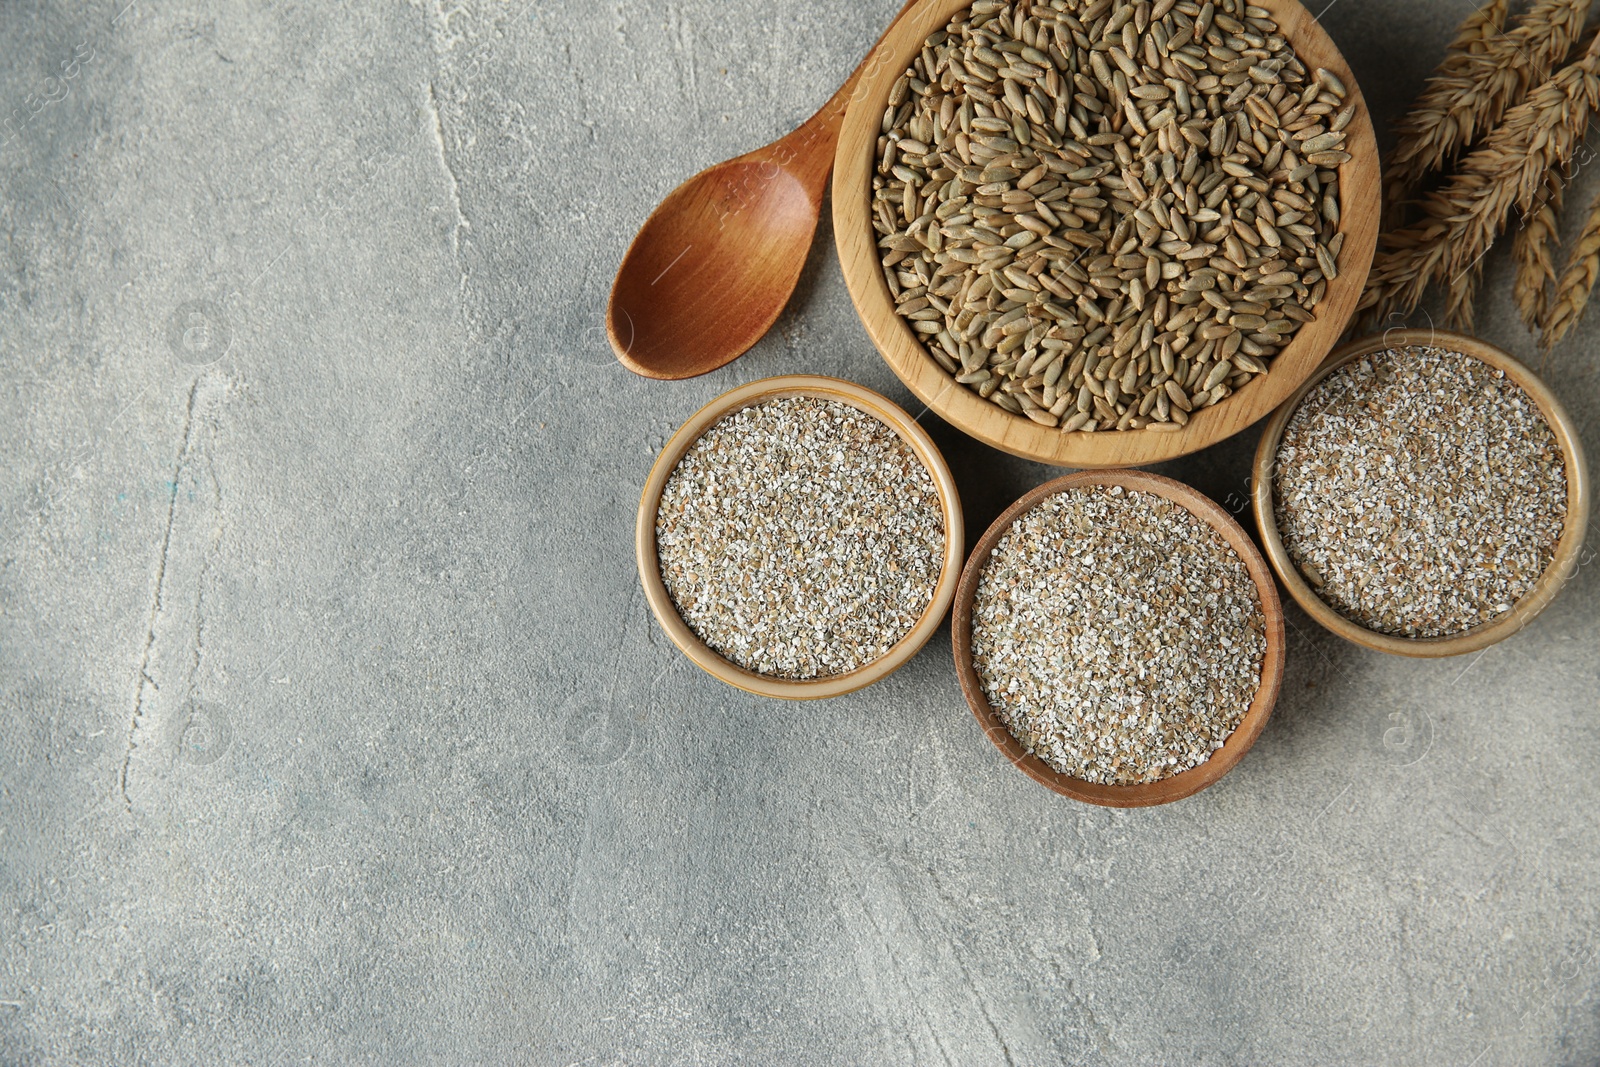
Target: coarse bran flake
{"x": 800, "y": 538}
{"x": 1118, "y": 636}
{"x": 1420, "y": 492}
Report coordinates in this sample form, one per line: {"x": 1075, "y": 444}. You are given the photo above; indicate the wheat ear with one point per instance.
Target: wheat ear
{"x": 1576, "y": 284}
{"x": 1469, "y": 99}
{"x": 1533, "y": 252}
{"x": 1458, "y": 298}
{"x": 1419, "y": 129}
{"x": 1462, "y": 219}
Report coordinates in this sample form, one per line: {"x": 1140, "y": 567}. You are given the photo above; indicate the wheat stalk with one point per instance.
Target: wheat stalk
{"x": 1533, "y": 252}
{"x": 1474, "y": 89}
{"x": 1576, "y": 284}
{"x": 1462, "y": 219}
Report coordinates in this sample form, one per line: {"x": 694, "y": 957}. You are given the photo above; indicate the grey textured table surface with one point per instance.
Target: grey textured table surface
{"x": 336, "y": 729}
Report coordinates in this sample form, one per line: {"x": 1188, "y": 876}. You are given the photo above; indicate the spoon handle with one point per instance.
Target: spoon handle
{"x": 807, "y": 153}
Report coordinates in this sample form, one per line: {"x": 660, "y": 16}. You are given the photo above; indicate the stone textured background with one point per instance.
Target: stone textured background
{"x": 336, "y": 729}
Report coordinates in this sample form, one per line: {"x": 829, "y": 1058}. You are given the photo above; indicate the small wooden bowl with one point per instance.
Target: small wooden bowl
{"x": 844, "y": 392}
{"x": 1562, "y": 567}
{"x": 964, "y": 409}
{"x": 1180, "y": 785}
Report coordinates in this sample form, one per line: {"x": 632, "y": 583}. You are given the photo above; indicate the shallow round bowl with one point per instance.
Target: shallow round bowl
{"x": 844, "y": 392}
{"x": 1562, "y": 566}
{"x": 1255, "y": 718}
{"x": 964, "y": 409}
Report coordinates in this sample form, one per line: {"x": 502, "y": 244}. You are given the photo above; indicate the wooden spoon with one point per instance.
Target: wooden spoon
{"x": 714, "y": 264}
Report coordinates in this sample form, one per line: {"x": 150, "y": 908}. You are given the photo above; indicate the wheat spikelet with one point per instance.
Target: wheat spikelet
{"x": 1402, "y": 268}
{"x": 1460, "y": 104}
{"x": 1462, "y": 219}
{"x": 1476, "y": 35}
{"x": 1418, "y": 129}
{"x": 1533, "y": 252}
{"x": 1458, "y": 298}
{"x": 1577, "y": 282}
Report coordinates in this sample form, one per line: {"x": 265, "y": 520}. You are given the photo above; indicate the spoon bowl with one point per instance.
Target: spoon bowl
{"x": 714, "y": 265}
{"x": 711, "y": 270}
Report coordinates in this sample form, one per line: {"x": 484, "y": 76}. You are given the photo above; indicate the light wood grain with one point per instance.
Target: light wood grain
{"x": 1016, "y": 434}
{"x": 844, "y": 392}
{"x": 1562, "y": 567}
{"x": 1179, "y": 785}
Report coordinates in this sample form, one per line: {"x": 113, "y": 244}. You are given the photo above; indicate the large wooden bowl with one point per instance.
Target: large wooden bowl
{"x": 1562, "y": 567}
{"x": 864, "y": 399}
{"x": 1179, "y": 785}
{"x": 964, "y": 409}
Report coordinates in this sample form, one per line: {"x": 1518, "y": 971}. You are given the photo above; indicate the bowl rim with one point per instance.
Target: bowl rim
{"x": 898, "y": 345}
{"x": 822, "y": 387}
{"x": 1563, "y": 565}
{"x": 1181, "y": 785}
